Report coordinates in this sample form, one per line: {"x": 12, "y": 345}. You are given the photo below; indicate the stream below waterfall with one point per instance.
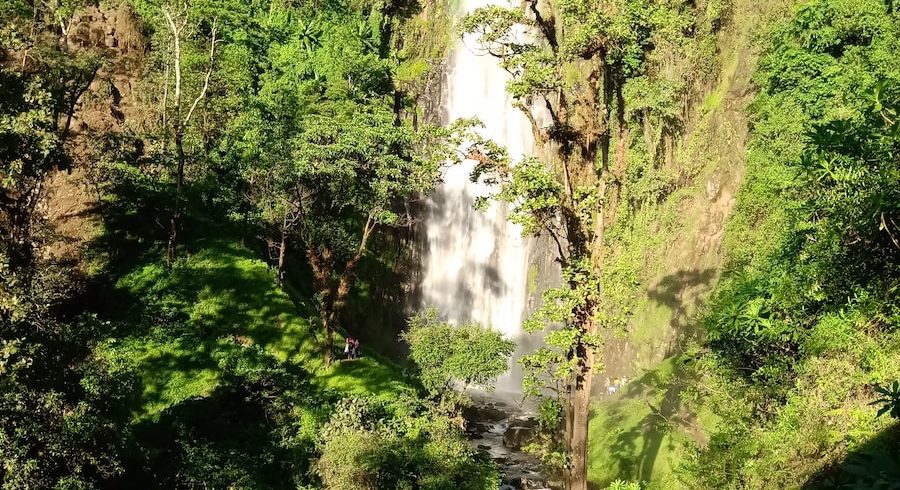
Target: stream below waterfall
{"x": 500, "y": 429}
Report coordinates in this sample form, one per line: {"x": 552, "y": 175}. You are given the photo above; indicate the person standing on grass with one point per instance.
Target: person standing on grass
{"x": 347, "y": 351}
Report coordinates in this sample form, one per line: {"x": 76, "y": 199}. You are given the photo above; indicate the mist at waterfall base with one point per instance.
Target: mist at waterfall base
{"x": 477, "y": 263}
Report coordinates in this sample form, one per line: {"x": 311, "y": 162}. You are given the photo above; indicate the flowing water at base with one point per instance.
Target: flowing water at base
{"x": 500, "y": 427}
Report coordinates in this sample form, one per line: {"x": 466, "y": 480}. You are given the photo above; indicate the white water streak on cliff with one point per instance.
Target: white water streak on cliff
{"x": 476, "y": 267}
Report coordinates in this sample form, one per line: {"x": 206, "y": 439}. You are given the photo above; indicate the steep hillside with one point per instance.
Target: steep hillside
{"x": 642, "y": 424}
{"x": 801, "y": 335}
{"x": 679, "y": 240}
{"x": 793, "y": 314}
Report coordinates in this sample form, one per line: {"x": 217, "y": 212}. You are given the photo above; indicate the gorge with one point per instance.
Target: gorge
{"x": 202, "y": 203}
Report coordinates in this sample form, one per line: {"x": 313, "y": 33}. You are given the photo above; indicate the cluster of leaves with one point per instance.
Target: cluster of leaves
{"x": 889, "y": 401}
{"x": 63, "y": 413}
{"x": 445, "y": 353}
{"x": 804, "y": 323}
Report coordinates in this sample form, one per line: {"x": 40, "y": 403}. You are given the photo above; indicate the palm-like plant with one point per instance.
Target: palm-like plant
{"x": 309, "y": 34}
{"x": 889, "y": 400}
{"x": 367, "y": 36}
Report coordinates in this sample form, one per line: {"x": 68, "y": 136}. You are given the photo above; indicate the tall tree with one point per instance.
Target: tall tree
{"x": 326, "y": 160}
{"x": 573, "y": 76}
{"x": 341, "y": 180}
{"x": 177, "y": 21}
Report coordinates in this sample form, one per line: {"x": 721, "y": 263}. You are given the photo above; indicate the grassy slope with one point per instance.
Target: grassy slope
{"x": 640, "y": 433}
{"x": 217, "y": 299}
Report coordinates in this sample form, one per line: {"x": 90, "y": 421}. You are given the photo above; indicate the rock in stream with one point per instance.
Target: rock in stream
{"x": 501, "y": 430}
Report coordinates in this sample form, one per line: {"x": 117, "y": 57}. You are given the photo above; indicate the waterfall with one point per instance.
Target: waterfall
{"x": 477, "y": 263}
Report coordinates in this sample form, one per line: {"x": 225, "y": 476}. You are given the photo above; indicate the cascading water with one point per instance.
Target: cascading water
{"x": 477, "y": 262}
{"x": 477, "y": 266}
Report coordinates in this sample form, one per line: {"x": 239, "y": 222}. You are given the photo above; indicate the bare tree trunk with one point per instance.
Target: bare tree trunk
{"x": 339, "y": 296}
{"x": 329, "y": 342}
{"x": 331, "y": 311}
{"x": 581, "y": 414}
{"x": 176, "y": 22}
{"x": 175, "y": 221}
{"x": 282, "y": 247}
{"x": 339, "y": 293}
{"x": 623, "y": 140}
{"x": 322, "y": 271}
{"x": 569, "y": 420}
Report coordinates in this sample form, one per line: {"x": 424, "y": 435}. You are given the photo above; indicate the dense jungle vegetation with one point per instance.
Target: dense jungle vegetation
{"x": 804, "y": 326}
{"x": 200, "y": 200}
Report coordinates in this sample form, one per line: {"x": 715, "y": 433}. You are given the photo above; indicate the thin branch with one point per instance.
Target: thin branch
{"x": 559, "y": 247}
{"x": 367, "y": 230}
{"x": 176, "y": 39}
{"x": 212, "y": 54}
{"x": 165, "y": 99}
{"x": 545, "y": 25}
{"x": 888, "y": 230}
{"x": 536, "y": 130}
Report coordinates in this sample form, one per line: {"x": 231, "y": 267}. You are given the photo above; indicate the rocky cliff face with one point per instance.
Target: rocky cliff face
{"x": 683, "y": 256}
{"x": 109, "y": 103}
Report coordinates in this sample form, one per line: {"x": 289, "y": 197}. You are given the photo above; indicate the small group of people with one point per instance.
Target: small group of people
{"x": 617, "y": 383}
{"x": 351, "y": 348}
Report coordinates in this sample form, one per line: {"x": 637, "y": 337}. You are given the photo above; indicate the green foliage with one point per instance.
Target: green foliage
{"x": 205, "y": 372}
{"x": 804, "y": 323}
{"x": 62, "y": 415}
{"x": 445, "y": 353}
{"x": 364, "y": 447}
{"x": 624, "y": 485}
{"x": 833, "y": 241}
{"x": 263, "y": 434}
{"x": 321, "y": 147}
{"x": 62, "y": 408}
{"x": 889, "y": 401}
{"x": 644, "y": 93}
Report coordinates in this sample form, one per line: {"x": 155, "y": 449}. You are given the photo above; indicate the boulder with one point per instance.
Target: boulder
{"x": 524, "y": 483}
{"x": 519, "y": 433}
{"x": 484, "y": 413}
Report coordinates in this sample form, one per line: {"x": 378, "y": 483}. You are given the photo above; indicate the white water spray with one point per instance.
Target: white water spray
{"x": 477, "y": 263}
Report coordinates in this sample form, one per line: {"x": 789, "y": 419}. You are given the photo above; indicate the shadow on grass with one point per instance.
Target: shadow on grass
{"x": 643, "y": 423}
{"x": 673, "y": 291}
{"x": 364, "y": 376}
{"x": 874, "y": 466}
{"x": 198, "y": 334}
{"x": 636, "y": 431}
{"x": 174, "y": 323}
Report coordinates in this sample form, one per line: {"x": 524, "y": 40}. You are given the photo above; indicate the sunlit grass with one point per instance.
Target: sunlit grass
{"x": 640, "y": 433}
{"x": 211, "y": 302}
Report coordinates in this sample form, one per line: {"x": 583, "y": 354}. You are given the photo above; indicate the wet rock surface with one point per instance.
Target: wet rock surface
{"x": 489, "y": 412}
{"x": 520, "y": 432}
{"x": 501, "y": 430}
